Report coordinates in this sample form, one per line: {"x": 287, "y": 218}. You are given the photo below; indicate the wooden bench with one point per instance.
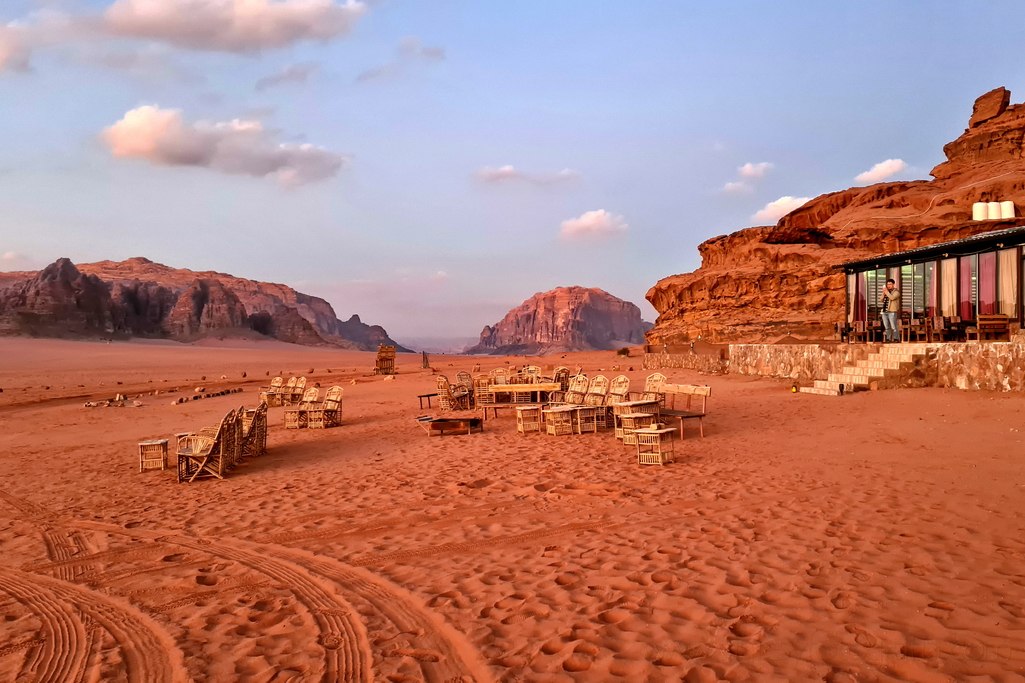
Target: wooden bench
{"x": 996, "y": 326}
{"x": 686, "y": 402}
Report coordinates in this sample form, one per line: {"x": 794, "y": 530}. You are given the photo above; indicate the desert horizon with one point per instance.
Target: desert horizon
{"x": 878, "y": 538}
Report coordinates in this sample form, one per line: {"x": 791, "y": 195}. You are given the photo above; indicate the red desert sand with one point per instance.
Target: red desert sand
{"x": 875, "y": 537}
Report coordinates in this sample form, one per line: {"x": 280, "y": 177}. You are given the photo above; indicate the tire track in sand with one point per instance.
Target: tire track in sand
{"x": 442, "y": 653}
{"x": 149, "y": 653}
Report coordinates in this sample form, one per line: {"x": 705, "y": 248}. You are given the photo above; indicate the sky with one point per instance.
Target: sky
{"x": 429, "y": 164}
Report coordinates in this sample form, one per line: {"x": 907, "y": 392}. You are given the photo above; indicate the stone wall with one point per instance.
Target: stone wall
{"x": 989, "y": 366}
{"x": 973, "y": 366}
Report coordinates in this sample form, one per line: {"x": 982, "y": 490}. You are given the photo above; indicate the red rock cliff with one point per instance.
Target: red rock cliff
{"x": 140, "y": 297}
{"x": 762, "y": 283}
{"x": 564, "y": 319}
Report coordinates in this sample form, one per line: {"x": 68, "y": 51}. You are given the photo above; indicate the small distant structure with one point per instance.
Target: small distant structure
{"x": 425, "y": 360}
{"x": 385, "y": 363}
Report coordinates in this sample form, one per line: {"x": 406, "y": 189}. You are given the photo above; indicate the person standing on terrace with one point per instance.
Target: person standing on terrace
{"x": 889, "y": 307}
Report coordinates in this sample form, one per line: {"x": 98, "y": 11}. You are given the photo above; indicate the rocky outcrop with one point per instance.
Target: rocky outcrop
{"x": 206, "y": 305}
{"x": 564, "y": 319}
{"x": 142, "y": 298}
{"x": 58, "y": 298}
{"x": 763, "y": 283}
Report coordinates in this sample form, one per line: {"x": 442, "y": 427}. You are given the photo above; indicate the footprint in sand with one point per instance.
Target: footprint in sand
{"x": 862, "y": 636}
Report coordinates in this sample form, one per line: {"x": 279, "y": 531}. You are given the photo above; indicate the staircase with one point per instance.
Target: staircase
{"x": 883, "y": 366}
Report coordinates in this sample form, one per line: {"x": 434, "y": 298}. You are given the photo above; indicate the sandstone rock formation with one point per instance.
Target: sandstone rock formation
{"x": 138, "y": 297}
{"x": 763, "y": 283}
{"x": 564, "y": 319}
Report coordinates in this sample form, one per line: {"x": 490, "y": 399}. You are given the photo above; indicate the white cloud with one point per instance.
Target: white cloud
{"x": 232, "y": 25}
{"x": 162, "y": 137}
{"x": 753, "y": 171}
{"x": 15, "y": 53}
{"x": 598, "y": 223}
{"x": 737, "y": 187}
{"x": 439, "y": 276}
{"x": 778, "y": 208}
{"x": 296, "y": 73}
{"x": 409, "y": 51}
{"x": 507, "y": 173}
{"x": 882, "y": 171}
{"x": 749, "y": 174}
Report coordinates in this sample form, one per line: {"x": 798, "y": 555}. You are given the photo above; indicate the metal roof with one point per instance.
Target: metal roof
{"x": 972, "y": 244}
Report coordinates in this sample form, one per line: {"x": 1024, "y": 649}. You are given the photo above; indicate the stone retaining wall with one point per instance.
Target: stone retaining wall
{"x": 990, "y": 366}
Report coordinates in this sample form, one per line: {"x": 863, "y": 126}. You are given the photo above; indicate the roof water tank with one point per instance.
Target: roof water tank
{"x": 993, "y": 212}
{"x": 1007, "y": 209}
{"x": 979, "y": 210}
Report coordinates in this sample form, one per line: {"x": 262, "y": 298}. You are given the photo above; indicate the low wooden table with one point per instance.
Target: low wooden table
{"x": 153, "y": 454}
{"x": 438, "y": 425}
{"x": 655, "y": 446}
{"x": 428, "y": 397}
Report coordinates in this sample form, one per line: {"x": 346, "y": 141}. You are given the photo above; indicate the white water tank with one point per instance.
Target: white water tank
{"x": 993, "y": 212}
{"x": 1007, "y": 209}
{"x": 979, "y": 211}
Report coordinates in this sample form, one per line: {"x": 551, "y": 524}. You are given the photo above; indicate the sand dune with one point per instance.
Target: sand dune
{"x": 874, "y": 537}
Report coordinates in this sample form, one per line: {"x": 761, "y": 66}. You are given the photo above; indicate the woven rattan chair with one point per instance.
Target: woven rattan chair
{"x": 254, "y": 431}
{"x": 619, "y": 390}
{"x": 384, "y": 364}
{"x": 561, "y": 375}
{"x": 310, "y": 398}
{"x": 205, "y": 453}
{"x": 272, "y": 394}
{"x": 328, "y": 413}
{"x": 597, "y": 394}
{"x": 452, "y": 398}
{"x": 652, "y": 388}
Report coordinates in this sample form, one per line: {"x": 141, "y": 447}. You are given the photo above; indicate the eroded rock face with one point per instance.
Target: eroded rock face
{"x": 57, "y": 298}
{"x": 206, "y": 305}
{"x": 564, "y": 319}
{"x": 143, "y": 298}
{"x": 763, "y": 283}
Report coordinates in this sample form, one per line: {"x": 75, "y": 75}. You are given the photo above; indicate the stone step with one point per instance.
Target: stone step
{"x": 874, "y": 364}
{"x": 835, "y": 386}
{"x": 820, "y": 391}
{"x": 844, "y": 378}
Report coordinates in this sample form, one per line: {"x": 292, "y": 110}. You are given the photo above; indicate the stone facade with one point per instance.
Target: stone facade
{"x": 971, "y": 366}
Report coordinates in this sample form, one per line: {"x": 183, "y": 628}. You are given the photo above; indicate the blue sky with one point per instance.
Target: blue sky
{"x": 463, "y": 155}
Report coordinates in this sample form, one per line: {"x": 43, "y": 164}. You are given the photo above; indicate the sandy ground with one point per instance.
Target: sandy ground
{"x": 874, "y": 537}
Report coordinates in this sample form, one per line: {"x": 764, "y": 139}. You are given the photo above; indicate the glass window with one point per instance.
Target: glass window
{"x": 875, "y": 282}
{"x": 906, "y": 284}
{"x": 930, "y": 288}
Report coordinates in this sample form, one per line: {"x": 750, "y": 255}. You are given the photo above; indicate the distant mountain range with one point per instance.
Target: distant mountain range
{"x": 140, "y": 298}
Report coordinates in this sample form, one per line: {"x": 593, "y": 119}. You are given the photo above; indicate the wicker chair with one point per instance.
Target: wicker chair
{"x": 561, "y": 375}
{"x": 328, "y": 413}
{"x": 254, "y": 431}
{"x": 483, "y": 397}
{"x": 596, "y": 396}
{"x": 652, "y": 388}
{"x": 310, "y": 398}
{"x": 206, "y": 453}
{"x": 384, "y": 364}
{"x": 574, "y": 395}
{"x": 619, "y": 390}
{"x": 272, "y": 394}
{"x": 452, "y": 398}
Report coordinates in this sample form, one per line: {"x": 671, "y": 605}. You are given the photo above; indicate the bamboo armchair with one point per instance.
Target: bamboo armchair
{"x": 596, "y": 396}
{"x": 272, "y": 394}
{"x": 206, "y": 453}
{"x": 452, "y": 398}
{"x": 619, "y": 390}
{"x": 574, "y": 395}
{"x": 328, "y": 413}
{"x": 254, "y": 431}
{"x": 296, "y": 394}
{"x": 652, "y": 388}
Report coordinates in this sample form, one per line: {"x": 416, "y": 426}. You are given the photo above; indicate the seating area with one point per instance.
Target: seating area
{"x": 311, "y": 413}
{"x": 212, "y": 452}
{"x": 282, "y": 393}
{"x": 565, "y": 404}
{"x": 950, "y": 328}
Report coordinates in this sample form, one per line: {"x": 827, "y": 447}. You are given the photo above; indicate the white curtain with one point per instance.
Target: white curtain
{"x": 948, "y": 291}
{"x": 1007, "y": 292}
